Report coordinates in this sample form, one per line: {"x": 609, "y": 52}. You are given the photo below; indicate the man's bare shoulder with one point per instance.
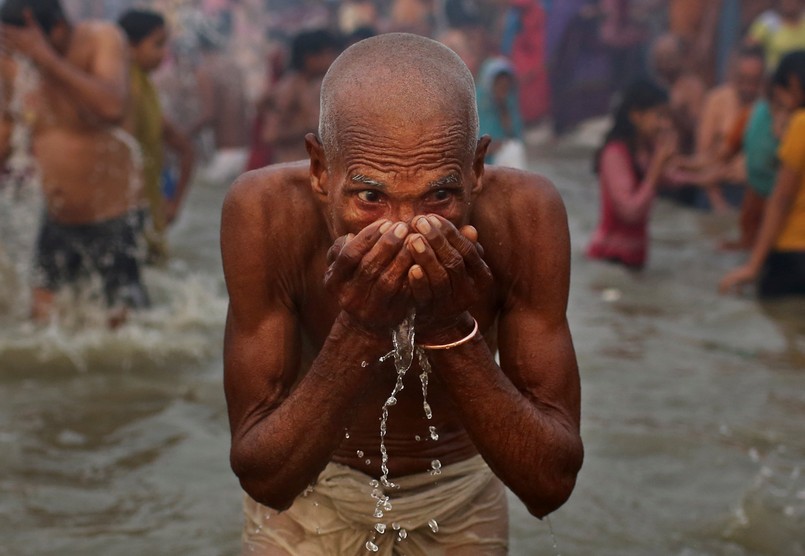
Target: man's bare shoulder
{"x": 519, "y": 214}
{"x": 98, "y": 32}
{"x": 516, "y": 196}
{"x": 277, "y": 200}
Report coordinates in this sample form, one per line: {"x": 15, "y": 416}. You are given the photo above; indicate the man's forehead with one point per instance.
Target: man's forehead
{"x": 449, "y": 178}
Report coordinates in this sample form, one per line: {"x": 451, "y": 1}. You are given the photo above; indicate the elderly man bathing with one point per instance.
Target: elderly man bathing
{"x": 323, "y": 259}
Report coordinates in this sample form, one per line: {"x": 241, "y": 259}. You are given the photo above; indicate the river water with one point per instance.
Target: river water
{"x": 116, "y": 442}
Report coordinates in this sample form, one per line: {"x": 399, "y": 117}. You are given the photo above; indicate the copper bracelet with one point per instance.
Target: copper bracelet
{"x": 457, "y": 343}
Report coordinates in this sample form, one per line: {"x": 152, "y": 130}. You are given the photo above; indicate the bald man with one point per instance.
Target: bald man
{"x": 323, "y": 258}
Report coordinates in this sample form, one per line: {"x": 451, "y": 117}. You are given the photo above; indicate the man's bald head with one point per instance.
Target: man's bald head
{"x": 400, "y": 82}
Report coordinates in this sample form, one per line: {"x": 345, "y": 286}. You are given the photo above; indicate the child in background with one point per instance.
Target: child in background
{"x": 148, "y": 36}
{"x": 630, "y": 166}
{"x": 499, "y": 113}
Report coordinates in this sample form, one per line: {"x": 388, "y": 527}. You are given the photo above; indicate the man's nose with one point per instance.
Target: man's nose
{"x": 404, "y": 213}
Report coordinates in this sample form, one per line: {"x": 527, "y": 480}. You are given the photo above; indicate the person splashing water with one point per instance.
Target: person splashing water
{"x": 89, "y": 167}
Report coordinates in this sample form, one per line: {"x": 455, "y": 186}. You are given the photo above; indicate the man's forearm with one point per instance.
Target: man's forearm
{"x": 106, "y": 100}
{"x": 285, "y": 449}
{"x": 533, "y": 448}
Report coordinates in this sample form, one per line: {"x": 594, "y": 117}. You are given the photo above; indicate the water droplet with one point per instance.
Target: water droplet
{"x": 380, "y": 528}
{"x": 395, "y": 525}
{"x": 611, "y": 295}
{"x": 402, "y": 534}
{"x": 364, "y": 364}
{"x": 391, "y": 401}
{"x": 378, "y": 513}
{"x": 436, "y": 467}
{"x": 433, "y": 525}
{"x": 372, "y": 547}
{"x": 360, "y": 453}
{"x": 374, "y": 483}
{"x": 417, "y": 438}
{"x": 433, "y": 434}
{"x": 346, "y": 434}
{"x": 318, "y": 531}
{"x": 428, "y": 412}
{"x": 368, "y": 461}
{"x": 387, "y": 505}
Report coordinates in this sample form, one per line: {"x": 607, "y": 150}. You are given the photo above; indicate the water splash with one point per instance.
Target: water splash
{"x": 404, "y": 352}
{"x": 21, "y": 198}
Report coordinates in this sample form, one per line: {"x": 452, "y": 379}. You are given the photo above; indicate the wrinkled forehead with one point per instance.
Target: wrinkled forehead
{"x": 383, "y": 110}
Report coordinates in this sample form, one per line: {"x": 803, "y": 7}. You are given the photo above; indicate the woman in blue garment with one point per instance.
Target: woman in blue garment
{"x": 499, "y": 113}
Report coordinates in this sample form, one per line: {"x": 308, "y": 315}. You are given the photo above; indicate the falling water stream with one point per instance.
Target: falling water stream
{"x": 404, "y": 353}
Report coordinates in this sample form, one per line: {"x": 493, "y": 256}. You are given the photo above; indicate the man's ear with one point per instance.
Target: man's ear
{"x": 318, "y": 165}
{"x": 478, "y": 164}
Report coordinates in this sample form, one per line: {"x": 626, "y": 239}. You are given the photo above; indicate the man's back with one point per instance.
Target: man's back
{"x": 222, "y": 84}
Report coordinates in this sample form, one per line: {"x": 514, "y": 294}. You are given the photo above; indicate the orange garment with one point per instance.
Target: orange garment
{"x": 735, "y": 136}
{"x": 792, "y": 156}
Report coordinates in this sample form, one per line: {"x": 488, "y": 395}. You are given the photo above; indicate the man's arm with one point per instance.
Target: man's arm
{"x": 523, "y": 416}
{"x": 103, "y": 88}
{"x": 286, "y": 122}
{"x": 205, "y": 85}
{"x": 179, "y": 143}
{"x": 283, "y": 438}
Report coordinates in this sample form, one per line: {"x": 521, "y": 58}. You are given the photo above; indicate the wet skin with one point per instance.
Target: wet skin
{"x": 87, "y": 170}
{"x": 322, "y": 260}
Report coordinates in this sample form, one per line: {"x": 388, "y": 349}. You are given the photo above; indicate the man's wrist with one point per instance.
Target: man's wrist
{"x": 348, "y": 322}
{"x": 446, "y": 332}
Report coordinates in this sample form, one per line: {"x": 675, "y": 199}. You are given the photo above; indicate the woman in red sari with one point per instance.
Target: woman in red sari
{"x": 630, "y": 166}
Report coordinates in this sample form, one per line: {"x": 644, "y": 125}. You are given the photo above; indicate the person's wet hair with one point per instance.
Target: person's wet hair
{"x": 310, "y": 43}
{"x": 792, "y": 65}
{"x": 140, "y": 24}
{"x": 47, "y": 13}
{"x": 639, "y": 96}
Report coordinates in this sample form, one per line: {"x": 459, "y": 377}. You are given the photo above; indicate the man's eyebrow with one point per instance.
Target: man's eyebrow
{"x": 449, "y": 179}
{"x": 366, "y": 180}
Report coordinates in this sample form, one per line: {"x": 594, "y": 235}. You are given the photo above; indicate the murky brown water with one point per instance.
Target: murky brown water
{"x": 693, "y": 416}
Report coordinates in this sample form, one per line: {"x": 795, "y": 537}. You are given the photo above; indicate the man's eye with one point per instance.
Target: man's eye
{"x": 369, "y": 196}
{"x": 442, "y": 194}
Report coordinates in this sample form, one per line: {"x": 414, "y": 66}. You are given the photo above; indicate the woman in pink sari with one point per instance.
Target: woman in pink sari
{"x": 630, "y": 166}
{"x": 525, "y": 44}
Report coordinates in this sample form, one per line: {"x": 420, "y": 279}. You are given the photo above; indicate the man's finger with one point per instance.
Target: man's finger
{"x": 420, "y": 288}
{"x": 349, "y": 256}
{"x": 437, "y": 274}
{"x": 380, "y": 256}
